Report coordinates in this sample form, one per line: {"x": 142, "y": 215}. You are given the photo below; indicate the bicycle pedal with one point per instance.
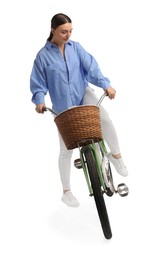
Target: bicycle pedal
{"x": 78, "y": 163}
{"x": 122, "y": 190}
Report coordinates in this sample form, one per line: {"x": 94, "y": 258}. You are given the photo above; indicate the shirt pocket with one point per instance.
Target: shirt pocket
{"x": 52, "y": 73}
{"x": 56, "y": 75}
{"x": 52, "y": 69}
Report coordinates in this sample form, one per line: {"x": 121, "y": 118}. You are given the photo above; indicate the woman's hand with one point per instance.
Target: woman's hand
{"x": 110, "y": 92}
{"x": 40, "y": 108}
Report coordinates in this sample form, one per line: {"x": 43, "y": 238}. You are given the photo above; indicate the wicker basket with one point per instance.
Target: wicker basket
{"x": 77, "y": 124}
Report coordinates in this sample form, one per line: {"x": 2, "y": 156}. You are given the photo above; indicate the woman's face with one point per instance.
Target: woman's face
{"x": 62, "y": 34}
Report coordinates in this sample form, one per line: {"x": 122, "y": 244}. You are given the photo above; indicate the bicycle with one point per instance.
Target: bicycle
{"x": 80, "y": 128}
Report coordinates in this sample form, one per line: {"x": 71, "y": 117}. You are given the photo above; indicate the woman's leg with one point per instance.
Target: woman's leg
{"x": 108, "y": 129}
{"x": 64, "y": 162}
{"x": 109, "y": 133}
{"x": 64, "y": 169}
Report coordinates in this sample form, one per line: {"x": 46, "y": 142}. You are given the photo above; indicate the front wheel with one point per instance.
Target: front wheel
{"x": 98, "y": 194}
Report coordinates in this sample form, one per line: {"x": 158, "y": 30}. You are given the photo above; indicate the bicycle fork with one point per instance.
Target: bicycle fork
{"x": 81, "y": 163}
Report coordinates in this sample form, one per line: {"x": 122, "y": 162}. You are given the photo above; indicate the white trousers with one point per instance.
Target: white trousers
{"x": 108, "y": 132}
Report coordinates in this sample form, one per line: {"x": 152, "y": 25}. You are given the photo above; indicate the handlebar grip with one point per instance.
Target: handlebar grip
{"x": 49, "y": 109}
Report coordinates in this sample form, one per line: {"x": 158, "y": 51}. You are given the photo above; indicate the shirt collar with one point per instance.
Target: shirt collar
{"x": 50, "y": 45}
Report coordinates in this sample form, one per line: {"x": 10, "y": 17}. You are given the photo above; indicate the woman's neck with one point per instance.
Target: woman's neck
{"x": 60, "y": 46}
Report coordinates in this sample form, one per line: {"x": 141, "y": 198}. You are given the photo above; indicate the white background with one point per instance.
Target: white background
{"x": 128, "y": 40}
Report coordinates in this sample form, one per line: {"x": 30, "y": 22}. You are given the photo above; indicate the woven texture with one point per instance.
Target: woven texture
{"x": 79, "y": 124}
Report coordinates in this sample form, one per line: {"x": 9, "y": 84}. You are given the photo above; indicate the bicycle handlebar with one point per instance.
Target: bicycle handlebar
{"x": 98, "y": 104}
{"x": 49, "y": 109}
{"x": 101, "y": 99}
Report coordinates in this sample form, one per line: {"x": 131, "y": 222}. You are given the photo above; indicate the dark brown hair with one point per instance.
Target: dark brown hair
{"x": 58, "y": 20}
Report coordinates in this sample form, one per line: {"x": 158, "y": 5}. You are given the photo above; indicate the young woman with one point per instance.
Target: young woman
{"x": 63, "y": 68}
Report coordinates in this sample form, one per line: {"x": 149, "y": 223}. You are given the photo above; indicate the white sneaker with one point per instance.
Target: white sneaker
{"x": 69, "y": 199}
{"x": 118, "y": 164}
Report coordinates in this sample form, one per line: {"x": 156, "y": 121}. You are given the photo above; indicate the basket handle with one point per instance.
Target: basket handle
{"x": 101, "y": 99}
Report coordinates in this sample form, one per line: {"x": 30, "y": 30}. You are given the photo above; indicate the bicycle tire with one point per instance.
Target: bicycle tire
{"x": 98, "y": 194}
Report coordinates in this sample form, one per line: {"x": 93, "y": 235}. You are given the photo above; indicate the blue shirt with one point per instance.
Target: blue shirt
{"x": 64, "y": 79}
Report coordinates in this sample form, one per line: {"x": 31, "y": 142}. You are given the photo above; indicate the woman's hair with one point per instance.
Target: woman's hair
{"x": 58, "y": 20}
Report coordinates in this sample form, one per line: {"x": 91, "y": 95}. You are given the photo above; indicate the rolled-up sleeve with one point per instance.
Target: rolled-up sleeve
{"x": 38, "y": 84}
